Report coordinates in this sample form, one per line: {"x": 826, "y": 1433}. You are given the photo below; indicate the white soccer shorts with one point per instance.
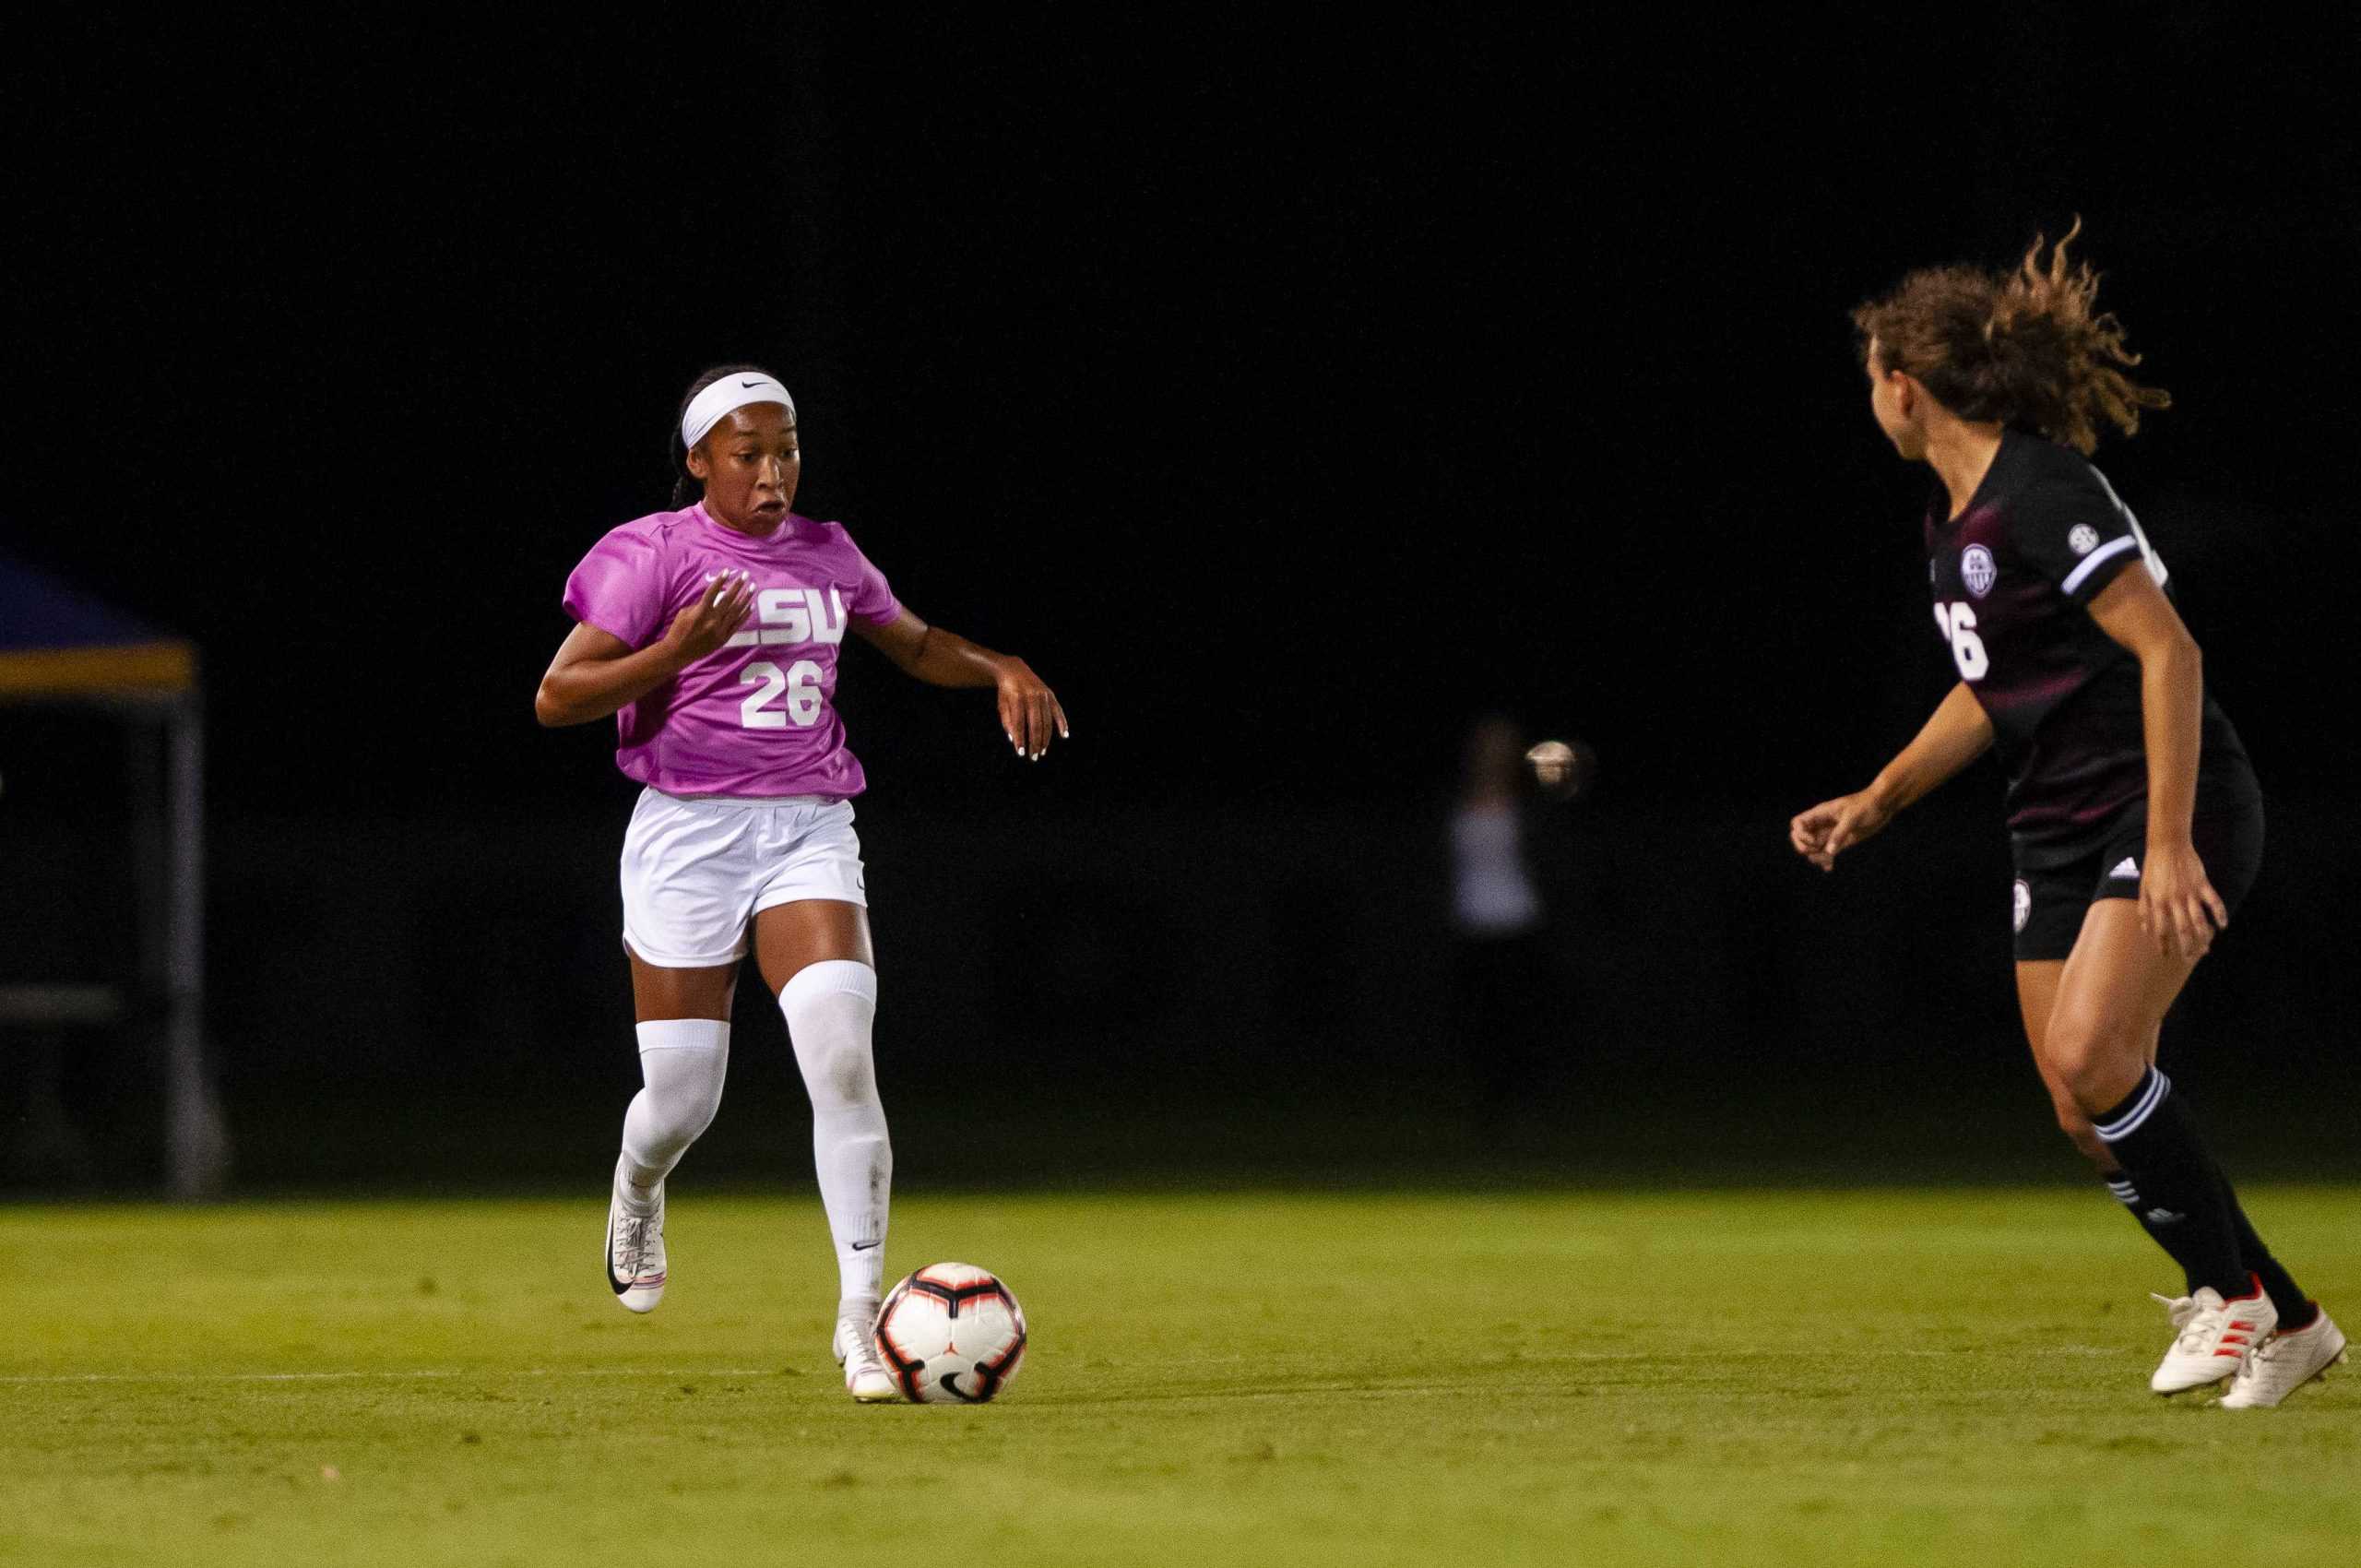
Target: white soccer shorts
{"x": 695, "y": 872}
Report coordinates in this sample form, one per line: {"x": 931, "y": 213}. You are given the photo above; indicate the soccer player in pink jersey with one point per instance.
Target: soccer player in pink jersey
{"x": 711, "y": 633}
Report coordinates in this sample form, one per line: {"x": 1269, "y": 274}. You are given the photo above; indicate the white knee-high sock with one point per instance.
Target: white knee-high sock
{"x": 683, "y": 1061}
{"x": 829, "y": 1006}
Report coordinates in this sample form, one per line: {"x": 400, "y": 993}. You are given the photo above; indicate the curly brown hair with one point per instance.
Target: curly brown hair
{"x": 2025, "y": 347}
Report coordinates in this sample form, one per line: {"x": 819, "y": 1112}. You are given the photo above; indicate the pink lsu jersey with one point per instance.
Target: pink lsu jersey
{"x": 755, "y": 717}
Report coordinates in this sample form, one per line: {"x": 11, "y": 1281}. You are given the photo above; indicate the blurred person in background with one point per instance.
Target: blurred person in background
{"x": 1508, "y": 995}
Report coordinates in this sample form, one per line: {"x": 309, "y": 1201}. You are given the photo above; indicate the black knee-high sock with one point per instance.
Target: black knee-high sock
{"x": 2187, "y": 1206}
{"x": 2296, "y": 1308}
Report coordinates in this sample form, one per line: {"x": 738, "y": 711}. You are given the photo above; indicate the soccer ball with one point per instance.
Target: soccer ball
{"x": 1561, "y": 771}
{"x": 953, "y": 1334}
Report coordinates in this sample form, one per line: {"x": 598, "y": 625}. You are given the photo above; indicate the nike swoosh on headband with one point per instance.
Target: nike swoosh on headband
{"x": 707, "y": 408}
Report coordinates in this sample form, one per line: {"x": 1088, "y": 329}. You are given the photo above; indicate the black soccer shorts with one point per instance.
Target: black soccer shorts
{"x": 2049, "y": 903}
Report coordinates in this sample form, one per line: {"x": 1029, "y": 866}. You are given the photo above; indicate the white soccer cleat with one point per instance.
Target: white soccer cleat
{"x": 867, "y": 1378}
{"x": 2287, "y": 1361}
{"x": 2213, "y": 1338}
{"x": 635, "y": 1251}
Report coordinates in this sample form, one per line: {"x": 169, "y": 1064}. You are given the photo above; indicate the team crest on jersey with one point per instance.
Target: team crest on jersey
{"x": 2084, "y": 540}
{"x": 2023, "y": 901}
{"x": 1976, "y": 565}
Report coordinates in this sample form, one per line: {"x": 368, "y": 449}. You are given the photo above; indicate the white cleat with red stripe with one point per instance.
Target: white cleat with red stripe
{"x": 2288, "y": 1359}
{"x": 2213, "y": 1338}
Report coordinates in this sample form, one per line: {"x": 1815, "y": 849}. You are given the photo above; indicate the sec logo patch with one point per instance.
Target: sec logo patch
{"x": 2084, "y": 540}
{"x": 2022, "y": 900}
{"x": 1976, "y": 566}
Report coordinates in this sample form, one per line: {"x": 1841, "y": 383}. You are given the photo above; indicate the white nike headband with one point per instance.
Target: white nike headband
{"x": 730, "y": 392}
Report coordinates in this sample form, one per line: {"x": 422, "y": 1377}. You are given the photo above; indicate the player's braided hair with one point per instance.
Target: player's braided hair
{"x": 2023, "y": 347}
{"x": 685, "y": 487}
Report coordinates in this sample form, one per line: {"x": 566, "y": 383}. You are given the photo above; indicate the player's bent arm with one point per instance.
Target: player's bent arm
{"x": 595, "y": 673}
{"x": 2179, "y": 907}
{"x": 927, "y": 653}
{"x": 2135, "y": 612}
{"x": 1955, "y": 734}
{"x": 1029, "y": 712}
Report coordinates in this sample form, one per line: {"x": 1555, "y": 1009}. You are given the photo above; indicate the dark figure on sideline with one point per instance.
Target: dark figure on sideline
{"x": 1507, "y": 995}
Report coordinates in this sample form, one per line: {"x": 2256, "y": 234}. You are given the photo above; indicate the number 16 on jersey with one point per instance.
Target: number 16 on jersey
{"x": 1957, "y": 622}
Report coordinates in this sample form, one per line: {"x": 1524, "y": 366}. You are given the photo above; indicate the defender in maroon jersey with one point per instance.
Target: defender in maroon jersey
{"x": 2014, "y": 575}
{"x": 2134, "y": 818}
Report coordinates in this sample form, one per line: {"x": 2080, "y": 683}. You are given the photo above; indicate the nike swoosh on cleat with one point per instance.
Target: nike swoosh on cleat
{"x": 617, "y": 1285}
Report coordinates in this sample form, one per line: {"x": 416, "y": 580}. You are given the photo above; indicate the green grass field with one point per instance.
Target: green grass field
{"x": 1908, "y": 1377}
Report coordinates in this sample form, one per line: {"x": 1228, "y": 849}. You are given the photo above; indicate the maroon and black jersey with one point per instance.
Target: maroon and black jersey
{"x": 2014, "y": 575}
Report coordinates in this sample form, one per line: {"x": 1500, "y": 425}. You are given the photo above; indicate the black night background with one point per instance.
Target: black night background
{"x": 1289, "y": 395}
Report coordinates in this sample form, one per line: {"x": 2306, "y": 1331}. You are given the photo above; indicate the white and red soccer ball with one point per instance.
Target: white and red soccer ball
{"x": 952, "y": 1334}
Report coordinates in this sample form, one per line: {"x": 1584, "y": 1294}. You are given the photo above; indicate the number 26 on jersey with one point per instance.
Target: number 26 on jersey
{"x": 799, "y": 684}
{"x": 1957, "y": 622}
{"x": 788, "y": 615}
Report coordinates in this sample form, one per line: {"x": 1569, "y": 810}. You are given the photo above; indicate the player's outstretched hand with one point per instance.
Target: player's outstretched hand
{"x": 1029, "y": 713}
{"x": 719, "y": 610}
{"x": 1825, "y": 831}
{"x": 2178, "y": 908}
